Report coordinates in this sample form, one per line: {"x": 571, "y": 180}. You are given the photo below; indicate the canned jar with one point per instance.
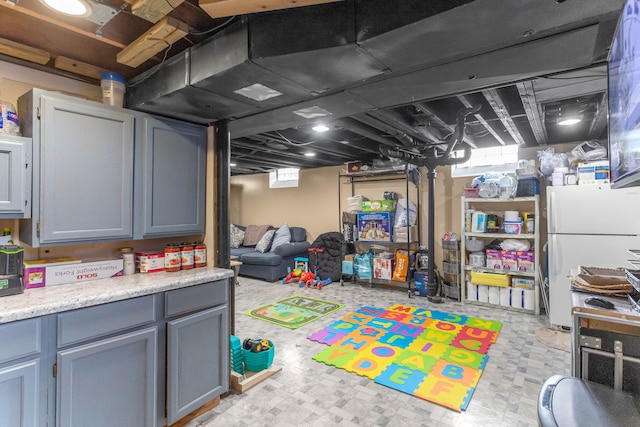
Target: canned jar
{"x": 172, "y": 257}
{"x": 200, "y": 254}
{"x": 186, "y": 256}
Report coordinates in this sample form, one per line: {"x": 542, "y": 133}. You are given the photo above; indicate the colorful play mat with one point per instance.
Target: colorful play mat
{"x": 433, "y": 355}
{"x": 294, "y": 312}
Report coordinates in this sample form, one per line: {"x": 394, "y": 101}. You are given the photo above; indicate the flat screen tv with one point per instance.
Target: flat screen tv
{"x": 624, "y": 99}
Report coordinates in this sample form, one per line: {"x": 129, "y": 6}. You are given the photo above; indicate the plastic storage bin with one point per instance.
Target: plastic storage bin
{"x": 258, "y": 361}
{"x": 113, "y": 88}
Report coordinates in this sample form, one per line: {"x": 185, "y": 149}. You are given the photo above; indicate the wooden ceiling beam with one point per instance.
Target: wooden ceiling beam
{"x": 495, "y": 100}
{"x": 530, "y": 104}
{"x": 22, "y": 51}
{"x": 77, "y": 67}
{"x": 161, "y": 36}
{"x": 224, "y": 8}
{"x": 467, "y": 104}
{"x": 61, "y": 24}
{"x": 154, "y": 10}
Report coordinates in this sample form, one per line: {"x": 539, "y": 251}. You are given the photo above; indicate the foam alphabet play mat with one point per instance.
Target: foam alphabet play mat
{"x": 429, "y": 354}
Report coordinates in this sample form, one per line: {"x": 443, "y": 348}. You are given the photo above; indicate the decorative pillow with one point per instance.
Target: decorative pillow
{"x": 237, "y": 236}
{"x": 282, "y": 237}
{"x": 265, "y": 243}
{"x": 253, "y": 234}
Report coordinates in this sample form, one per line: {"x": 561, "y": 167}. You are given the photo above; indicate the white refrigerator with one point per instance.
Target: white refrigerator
{"x": 591, "y": 226}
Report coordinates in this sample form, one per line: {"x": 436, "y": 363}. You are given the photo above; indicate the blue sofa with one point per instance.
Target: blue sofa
{"x": 272, "y": 266}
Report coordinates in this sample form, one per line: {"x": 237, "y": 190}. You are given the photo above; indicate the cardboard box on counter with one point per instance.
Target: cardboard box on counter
{"x": 150, "y": 262}
{"x": 35, "y": 270}
{"x": 52, "y": 273}
{"x": 593, "y": 173}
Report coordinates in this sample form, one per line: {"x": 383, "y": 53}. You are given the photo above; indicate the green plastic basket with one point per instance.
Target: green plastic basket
{"x": 260, "y": 360}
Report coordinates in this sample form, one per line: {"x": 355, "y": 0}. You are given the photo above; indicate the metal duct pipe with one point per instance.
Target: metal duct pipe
{"x": 406, "y": 140}
{"x": 361, "y": 130}
{"x": 458, "y": 134}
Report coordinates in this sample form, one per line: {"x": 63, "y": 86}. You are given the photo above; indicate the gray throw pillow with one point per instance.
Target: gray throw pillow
{"x": 265, "y": 243}
{"x": 282, "y": 237}
{"x": 237, "y": 236}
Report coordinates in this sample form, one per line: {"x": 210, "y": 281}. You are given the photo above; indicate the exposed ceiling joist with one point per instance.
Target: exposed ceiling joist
{"x": 530, "y": 104}
{"x": 161, "y": 36}
{"x": 463, "y": 99}
{"x": 77, "y": 67}
{"x": 22, "y": 51}
{"x": 153, "y": 10}
{"x": 62, "y": 24}
{"x": 224, "y": 8}
{"x": 496, "y": 102}
{"x": 422, "y": 107}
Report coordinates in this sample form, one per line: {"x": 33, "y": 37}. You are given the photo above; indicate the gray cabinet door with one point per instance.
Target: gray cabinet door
{"x": 86, "y": 171}
{"x": 197, "y": 361}
{"x": 109, "y": 383}
{"x": 19, "y": 395}
{"x": 15, "y": 177}
{"x": 170, "y": 177}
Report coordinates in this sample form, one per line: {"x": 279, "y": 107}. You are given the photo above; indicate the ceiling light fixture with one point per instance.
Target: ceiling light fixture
{"x": 569, "y": 115}
{"x": 233, "y": 165}
{"x": 309, "y": 154}
{"x": 320, "y": 128}
{"x": 569, "y": 121}
{"x": 79, "y": 8}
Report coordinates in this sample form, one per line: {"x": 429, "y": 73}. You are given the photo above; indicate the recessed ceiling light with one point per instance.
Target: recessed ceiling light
{"x": 309, "y": 154}
{"x": 233, "y": 165}
{"x": 344, "y": 141}
{"x": 312, "y": 112}
{"x": 569, "y": 121}
{"x": 320, "y": 128}
{"x": 77, "y": 8}
{"x": 258, "y": 92}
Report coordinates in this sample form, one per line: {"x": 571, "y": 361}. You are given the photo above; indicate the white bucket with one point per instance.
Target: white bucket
{"x": 113, "y": 88}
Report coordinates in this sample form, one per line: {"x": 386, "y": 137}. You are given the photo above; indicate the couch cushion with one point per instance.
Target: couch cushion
{"x": 265, "y": 243}
{"x": 253, "y": 234}
{"x": 241, "y": 250}
{"x": 282, "y": 236}
{"x": 298, "y": 234}
{"x": 257, "y": 258}
{"x": 236, "y": 237}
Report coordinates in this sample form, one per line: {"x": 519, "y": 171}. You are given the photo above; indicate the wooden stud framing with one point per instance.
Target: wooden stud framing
{"x": 77, "y": 67}
{"x": 222, "y": 8}
{"x": 154, "y": 10}
{"x": 159, "y": 37}
{"x": 22, "y": 51}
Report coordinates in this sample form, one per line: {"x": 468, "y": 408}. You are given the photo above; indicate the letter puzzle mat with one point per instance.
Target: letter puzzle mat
{"x": 430, "y": 354}
{"x": 295, "y": 311}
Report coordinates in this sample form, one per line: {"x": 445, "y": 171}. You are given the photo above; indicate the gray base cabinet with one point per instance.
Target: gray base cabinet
{"x": 21, "y": 359}
{"x": 195, "y": 372}
{"x": 19, "y": 389}
{"x": 15, "y": 177}
{"x": 109, "y": 383}
{"x": 140, "y": 362}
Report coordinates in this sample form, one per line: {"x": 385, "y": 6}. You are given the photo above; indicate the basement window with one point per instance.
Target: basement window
{"x": 283, "y": 178}
{"x": 493, "y": 159}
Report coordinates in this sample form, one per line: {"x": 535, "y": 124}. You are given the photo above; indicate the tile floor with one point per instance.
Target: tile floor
{"x": 309, "y": 393}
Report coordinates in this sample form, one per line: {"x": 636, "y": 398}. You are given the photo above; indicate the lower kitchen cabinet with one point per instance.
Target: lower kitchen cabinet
{"x": 19, "y": 388}
{"x": 108, "y": 383}
{"x": 196, "y": 361}
{"x": 20, "y": 374}
{"x": 140, "y": 362}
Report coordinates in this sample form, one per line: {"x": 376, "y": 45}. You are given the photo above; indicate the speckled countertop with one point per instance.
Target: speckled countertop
{"x": 55, "y": 299}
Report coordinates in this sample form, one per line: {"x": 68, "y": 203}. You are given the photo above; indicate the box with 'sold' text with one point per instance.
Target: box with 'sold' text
{"x": 48, "y": 275}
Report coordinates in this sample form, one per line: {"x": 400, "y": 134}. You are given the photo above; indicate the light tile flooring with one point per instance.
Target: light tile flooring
{"x": 308, "y": 393}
